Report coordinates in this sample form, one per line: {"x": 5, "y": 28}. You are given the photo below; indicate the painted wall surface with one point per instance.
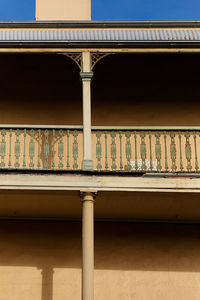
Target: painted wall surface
{"x": 134, "y": 89}
{"x": 40, "y": 89}
{"x": 131, "y": 89}
{"x": 146, "y": 90}
{"x": 63, "y": 10}
{"x": 151, "y": 206}
{"x": 42, "y": 261}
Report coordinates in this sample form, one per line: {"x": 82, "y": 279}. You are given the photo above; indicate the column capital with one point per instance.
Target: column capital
{"x": 88, "y": 195}
{"x": 86, "y": 76}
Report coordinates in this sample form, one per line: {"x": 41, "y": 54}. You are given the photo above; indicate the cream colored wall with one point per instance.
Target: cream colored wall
{"x": 40, "y": 89}
{"x": 155, "y": 206}
{"x": 146, "y": 90}
{"x": 42, "y": 261}
{"x": 63, "y": 10}
{"x": 137, "y": 90}
{"x": 134, "y": 90}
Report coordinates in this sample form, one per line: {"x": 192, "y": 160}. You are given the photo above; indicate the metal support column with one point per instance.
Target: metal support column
{"x": 88, "y": 246}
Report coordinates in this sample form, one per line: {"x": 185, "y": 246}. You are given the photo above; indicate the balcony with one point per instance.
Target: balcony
{"x": 114, "y": 149}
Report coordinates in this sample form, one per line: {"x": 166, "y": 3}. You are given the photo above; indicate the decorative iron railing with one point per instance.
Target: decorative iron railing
{"x": 142, "y": 149}
{"x": 116, "y": 149}
{"x": 41, "y": 147}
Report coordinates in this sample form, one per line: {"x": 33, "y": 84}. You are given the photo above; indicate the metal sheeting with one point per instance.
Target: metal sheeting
{"x": 101, "y": 35}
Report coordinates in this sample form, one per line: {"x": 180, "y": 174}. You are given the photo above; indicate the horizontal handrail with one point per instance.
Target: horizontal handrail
{"x": 100, "y": 128}
{"x": 29, "y": 126}
{"x": 146, "y": 128}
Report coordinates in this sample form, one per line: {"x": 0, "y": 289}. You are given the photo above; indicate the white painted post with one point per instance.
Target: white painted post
{"x": 87, "y": 246}
{"x": 86, "y": 75}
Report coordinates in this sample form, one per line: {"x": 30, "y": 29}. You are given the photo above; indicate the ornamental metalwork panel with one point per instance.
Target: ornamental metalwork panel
{"x": 60, "y": 149}
{"x": 98, "y": 151}
{"x": 113, "y": 150}
{"x": 75, "y": 150}
{"x": 147, "y": 150}
{"x": 3, "y": 148}
{"x": 158, "y": 152}
{"x": 32, "y": 148}
{"x": 196, "y": 155}
{"x": 188, "y": 152}
{"x": 173, "y": 152}
{"x": 41, "y": 148}
{"x": 128, "y": 150}
{"x": 143, "y": 151}
{"x": 17, "y": 148}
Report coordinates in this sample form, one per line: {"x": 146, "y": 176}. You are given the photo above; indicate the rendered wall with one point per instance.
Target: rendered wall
{"x": 134, "y": 90}
{"x": 63, "y": 10}
{"x": 42, "y": 261}
{"x": 40, "y": 89}
{"x": 146, "y": 90}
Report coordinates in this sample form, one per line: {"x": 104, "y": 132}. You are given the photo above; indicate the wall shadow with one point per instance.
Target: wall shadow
{"x": 146, "y": 90}
{"x": 118, "y": 246}
{"x": 40, "y": 89}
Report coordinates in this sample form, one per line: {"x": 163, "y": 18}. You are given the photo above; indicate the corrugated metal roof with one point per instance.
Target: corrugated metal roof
{"x": 100, "y": 35}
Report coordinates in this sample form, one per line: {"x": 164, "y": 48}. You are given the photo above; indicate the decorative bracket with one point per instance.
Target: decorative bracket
{"x": 96, "y": 57}
{"x": 76, "y": 57}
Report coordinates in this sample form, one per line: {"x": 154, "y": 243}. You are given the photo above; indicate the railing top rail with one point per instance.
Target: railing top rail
{"x": 147, "y": 128}
{"x": 102, "y": 128}
{"x": 29, "y": 126}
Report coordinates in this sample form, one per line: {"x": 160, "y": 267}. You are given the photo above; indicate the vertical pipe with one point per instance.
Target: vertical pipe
{"x": 86, "y": 76}
{"x": 87, "y": 246}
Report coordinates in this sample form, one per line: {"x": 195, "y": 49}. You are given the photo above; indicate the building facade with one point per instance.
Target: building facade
{"x": 99, "y": 122}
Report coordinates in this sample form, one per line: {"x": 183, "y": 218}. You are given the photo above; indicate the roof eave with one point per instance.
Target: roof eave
{"x": 100, "y": 24}
{"x": 100, "y": 44}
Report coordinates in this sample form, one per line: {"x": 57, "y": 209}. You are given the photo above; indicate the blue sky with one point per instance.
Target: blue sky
{"x": 114, "y": 10}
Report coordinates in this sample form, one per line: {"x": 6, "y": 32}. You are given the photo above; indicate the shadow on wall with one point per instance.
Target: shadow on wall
{"x": 40, "y": 89}
{"x": 55, "y": 249}
{"x": 146, "y": 90}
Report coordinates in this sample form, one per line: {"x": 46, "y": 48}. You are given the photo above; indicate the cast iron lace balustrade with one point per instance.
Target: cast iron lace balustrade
{"x": 147, "y": 149}
{"x": 115, "y": 149}
{"x": 29, "y": 147}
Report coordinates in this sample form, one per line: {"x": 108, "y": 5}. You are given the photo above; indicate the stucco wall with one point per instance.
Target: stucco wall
{"x": 42, "y": 261}
{"x": 63, "y": 10}
{"x": 146, "y": 90}
{"x": 137, "y": 90}
{"x": 23, "y": 204}
{"x": 40, "y": 89}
